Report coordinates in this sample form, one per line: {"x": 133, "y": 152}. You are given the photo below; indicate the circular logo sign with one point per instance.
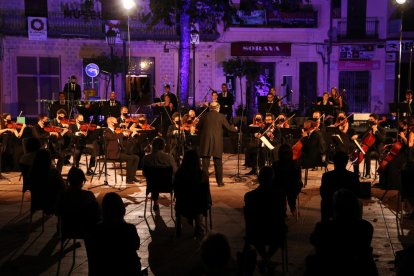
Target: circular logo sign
{"x": 92, "y": 70}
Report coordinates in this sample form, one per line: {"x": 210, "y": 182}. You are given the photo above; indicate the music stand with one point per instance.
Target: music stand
{"x": 399, "y": 108}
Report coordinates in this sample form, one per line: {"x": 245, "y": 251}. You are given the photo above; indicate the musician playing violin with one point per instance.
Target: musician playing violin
{"x": 8, "y": 126}
{"x": 10, "y": 134}
{"x": 82, "y": 143}
{"x": 48, "y": 136}
{"x": 376, "y": 149}
{"x": 282, "y": 121}
{"x": 314, "y": 146}
{"x": 125, "y": 121}
{"x": 344, "y": 134}
{"x": 255, "y": 153}
{"x": 174, "y": 135}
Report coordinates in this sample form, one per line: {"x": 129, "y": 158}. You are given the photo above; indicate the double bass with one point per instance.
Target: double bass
{"x": 389, "y": 154}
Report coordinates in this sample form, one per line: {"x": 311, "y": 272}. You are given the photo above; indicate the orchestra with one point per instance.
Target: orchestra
{"x": 70, "y": 134}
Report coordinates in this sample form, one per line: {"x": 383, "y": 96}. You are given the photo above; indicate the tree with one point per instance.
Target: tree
{"x": 243, "y": 68}
{"x": 181, "y": 13}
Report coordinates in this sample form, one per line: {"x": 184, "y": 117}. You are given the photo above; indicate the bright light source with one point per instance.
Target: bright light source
{"x": 400, "y": 2}
{"x": 129, "y": 4}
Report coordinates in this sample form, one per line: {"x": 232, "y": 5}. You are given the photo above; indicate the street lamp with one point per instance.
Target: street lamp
{"x": 401, "y": 3}
{"x": 110, "y": 38}
{"x": 129, "y": 5}
{"x": 194, "y": 39}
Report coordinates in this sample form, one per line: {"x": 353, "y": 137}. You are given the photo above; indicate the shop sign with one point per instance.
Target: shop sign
{"x": 260, "y": 49}
{"x": 37, "y": 28}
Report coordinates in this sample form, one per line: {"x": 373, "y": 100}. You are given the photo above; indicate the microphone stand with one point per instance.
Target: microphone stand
{"x": 237, "y": 177}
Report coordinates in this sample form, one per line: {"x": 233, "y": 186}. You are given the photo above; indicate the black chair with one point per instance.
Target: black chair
{"x": 405, "y": 192}
{"x": 102, "y": 159}
{"x": 159, "y": 179}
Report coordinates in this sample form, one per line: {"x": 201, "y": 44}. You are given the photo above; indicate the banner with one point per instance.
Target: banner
{"x": 37, "y": 28}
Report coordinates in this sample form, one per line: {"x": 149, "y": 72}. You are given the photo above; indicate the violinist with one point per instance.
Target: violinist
{"x": 376, "y": 149}
{"x": 255, "y": 153}
{"x": 82, "y": 143}
{"x": 12, "y": 149}
{"x": 59, "y": 104}
{"x": 337, "y": 100}
{"x": 142, "y": 123}
{"x": 64, "y": 138}
{"x": 175, "y": 134}
{"x": 48, "y": 136}
{"x": 282, "y": 121}
{"x": 171, "y": 97}
{"x": 125, "y": 121}
{"x": 165, "y": 109}
{"x": 343, "y": 134}
{"x": 272, "y": 105}
{"x": 114, "y": 149}
{"x": 314, "y": 146}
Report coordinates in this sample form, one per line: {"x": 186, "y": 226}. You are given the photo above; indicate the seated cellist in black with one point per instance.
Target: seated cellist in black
{"x": 376, "y": 149}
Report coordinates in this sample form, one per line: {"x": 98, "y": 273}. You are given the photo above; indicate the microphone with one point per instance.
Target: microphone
{"x": 105, "y": 72}
{"x": 291, "y": 91}
{"x": 20, "y": 114}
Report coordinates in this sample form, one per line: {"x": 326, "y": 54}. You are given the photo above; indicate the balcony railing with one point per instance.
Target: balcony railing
{"x": 371, "y": 30}
{"x": 14, "y": 23}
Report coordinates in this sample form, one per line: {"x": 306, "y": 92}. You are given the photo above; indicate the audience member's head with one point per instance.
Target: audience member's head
{"x": 158, "y": 144}
{"x": 113, "y": 209}
{"x": 32, "y": 144}
{"x": 340, "y": 160}
{"x": 42, "y": 160}
{"x": 76, "y": 178}
{"x": 191, "y": 160}
{"x": 285, "y": 153}
{"x": 346, "y": 204}
{"x": 215, "y": 252}
{"x": 265, "y": 177}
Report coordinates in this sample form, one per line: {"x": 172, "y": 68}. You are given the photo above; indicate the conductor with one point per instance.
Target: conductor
{"x": 211, "y": 140}
{"x": 72, "y": 90}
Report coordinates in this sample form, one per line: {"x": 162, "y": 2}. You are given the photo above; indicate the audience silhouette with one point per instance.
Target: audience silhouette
{"x": 216, "y": 255}
{"x": 264, "y": 214}
{"x": 113, "y": 244}
{"x": 45, "y": 182}
{"x": 334, "y": 180}
{"x": 342, "y": 245}
{"x": 192, "y": 193}
{"x": 287, "y": 179}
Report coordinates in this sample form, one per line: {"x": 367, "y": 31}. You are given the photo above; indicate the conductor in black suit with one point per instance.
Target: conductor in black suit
{"x": 226, "y": 101}
{"x": 211, "y": 140}
{"x": 72, "y": 90}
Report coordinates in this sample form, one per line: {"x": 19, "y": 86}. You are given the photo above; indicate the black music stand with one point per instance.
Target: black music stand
{"x": 399, "y": 108}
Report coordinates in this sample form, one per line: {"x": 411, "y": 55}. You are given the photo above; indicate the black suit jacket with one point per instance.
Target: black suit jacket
{"x": 272, "y": 108}
{"x": 72, "y": 93}
{"x": 173, "y": 99}
{"x": 111, "y": 111}
{"x": 332, "y": 181}
{"x": 211, "y": 134}
{"x": 113, "y": 146}
{"x": 226, "y": 104}
{"x": 313, "y": 148}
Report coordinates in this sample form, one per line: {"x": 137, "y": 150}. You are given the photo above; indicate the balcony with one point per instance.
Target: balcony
{"x": 358, "y": 31}
{"x": 60, "y": 25}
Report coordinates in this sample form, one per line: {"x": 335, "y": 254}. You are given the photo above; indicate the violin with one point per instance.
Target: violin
{"x": 51, "y": 128}
{"x": 65, "y": 121}
{"x": 119, "y": 130}
{"x": 131, "y": 120}
{"x": 14, "y": 125}
{"x": 87, "y": 127}
{"x": 147, "y": 126}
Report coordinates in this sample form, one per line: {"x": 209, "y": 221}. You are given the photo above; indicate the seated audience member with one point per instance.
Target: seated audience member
{"x": 156, "y": 159}
{"x": 192, "y": 192}
{"x": 264, "y": 215}
{"x": 78, "y": 209}
{"x": 216, "y": 255}
{"x": 343, "y": 245}
{"x": 287, "y": 177}
{"x": 26, "y": 161}
{"x": 46, "y": 183}
{"x": 334, "y": 180}
{"x": 114, "y": 243}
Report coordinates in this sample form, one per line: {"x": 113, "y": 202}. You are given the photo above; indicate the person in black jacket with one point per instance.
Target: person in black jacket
{"x": 211, "y": 140}
{"x": 334, "y": 180}
{"x": 314, "y": 147}
{"x": 226, "y": 101}
{"x": 72, "y": 90}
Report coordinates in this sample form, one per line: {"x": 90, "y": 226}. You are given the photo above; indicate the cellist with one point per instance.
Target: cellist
{"x": 376, "y": 149}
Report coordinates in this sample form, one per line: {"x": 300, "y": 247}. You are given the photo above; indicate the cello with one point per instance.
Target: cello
{"x": 358, "y": 154}
{"x": 389, "y": 154}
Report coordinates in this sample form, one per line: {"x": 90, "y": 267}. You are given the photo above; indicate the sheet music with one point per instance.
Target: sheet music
{"x": 267, "y": 143}
{"x": 359, "y": 146}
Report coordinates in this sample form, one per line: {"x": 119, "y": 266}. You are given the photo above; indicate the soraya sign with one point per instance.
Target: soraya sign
{"x": 260, "y": 49}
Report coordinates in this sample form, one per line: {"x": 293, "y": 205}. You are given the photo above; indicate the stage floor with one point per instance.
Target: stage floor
{"x": 37, "y": 253}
